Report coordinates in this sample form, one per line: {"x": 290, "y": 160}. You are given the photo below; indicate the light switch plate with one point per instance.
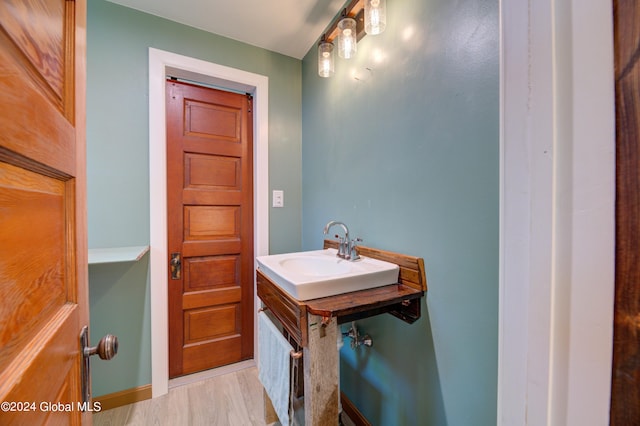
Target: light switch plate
{"x": 278, "y": 198}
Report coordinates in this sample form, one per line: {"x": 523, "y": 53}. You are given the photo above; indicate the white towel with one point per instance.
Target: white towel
{"x": 274, "y": 355}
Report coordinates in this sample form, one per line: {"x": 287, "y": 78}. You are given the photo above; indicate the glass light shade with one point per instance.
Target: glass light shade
{"x": 347, "y": 41}
{"x": 326, "y": 63}
{"x": 375, "y": 16}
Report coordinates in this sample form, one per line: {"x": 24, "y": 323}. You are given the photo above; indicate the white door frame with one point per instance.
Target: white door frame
{"x": 161, "y": 64}
{"x": 557, "y": 212}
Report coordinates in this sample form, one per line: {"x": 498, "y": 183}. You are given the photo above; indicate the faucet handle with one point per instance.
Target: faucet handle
{"x": 353, "y": 248}
{"x": 342, "y": 243}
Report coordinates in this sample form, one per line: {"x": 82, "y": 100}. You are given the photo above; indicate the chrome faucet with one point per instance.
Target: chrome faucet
{"x": 347, "y": 248}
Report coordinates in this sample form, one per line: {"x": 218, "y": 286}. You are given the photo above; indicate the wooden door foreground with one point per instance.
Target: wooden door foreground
{"x": 43, "y": 249}
{"x": 210, "y": 227}
{"x": 625, "y": 390}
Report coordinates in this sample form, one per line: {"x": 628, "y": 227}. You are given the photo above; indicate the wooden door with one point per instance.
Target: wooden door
{"x": 210, "y": 226}
{"x": 625, "y": 391}
{"x": 43, "y": 249}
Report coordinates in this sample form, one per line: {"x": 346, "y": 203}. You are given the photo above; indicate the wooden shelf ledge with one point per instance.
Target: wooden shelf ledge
{"x": 116, "y": 254}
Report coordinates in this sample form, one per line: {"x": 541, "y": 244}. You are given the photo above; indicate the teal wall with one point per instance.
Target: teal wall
{"x": 119, "y": 305}
{"x": 409, "y": 160}
{"x": 118, "y": 165}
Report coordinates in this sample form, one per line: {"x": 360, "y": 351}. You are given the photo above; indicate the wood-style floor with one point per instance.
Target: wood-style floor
{"x": 227, "y": 400}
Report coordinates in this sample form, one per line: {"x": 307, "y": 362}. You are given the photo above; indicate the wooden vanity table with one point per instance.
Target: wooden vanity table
{"x": 314, "y": 325}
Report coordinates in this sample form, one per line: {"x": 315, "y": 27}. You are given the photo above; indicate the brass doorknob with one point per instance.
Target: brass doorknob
{"x": 106, "y": 349}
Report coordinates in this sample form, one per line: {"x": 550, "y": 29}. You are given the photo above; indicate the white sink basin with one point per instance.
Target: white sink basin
{"x": 313, "y": 274}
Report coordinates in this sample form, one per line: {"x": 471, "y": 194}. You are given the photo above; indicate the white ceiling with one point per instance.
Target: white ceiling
{"x": 289, "y": 27}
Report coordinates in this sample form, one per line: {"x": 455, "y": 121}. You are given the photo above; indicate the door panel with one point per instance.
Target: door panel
{"x": 26, "y": 199}
{"x": 207, "y": 273}
{"x": 37, "y": 80}
{"x": 29, "y": 26}
{"x": 211, "y": 323}
{"x": 212, "y": 172}
{"x": 43, "y": 269}
{"x": 198, "y": 357}
{"x": 211, "y": 222}
{"x": 53, "y": 374}
{"x": 211, "y": 121}
{"x": 210, "y": 214}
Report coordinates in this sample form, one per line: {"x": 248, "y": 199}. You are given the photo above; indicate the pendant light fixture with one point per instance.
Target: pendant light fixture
{"x": 347, "y": 42}
{"x": 375, "y": 16}
{"x": 326, "y": 62}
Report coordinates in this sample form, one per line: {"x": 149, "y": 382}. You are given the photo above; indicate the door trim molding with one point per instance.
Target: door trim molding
{"x": 162, "y": 63}
{"x": 557, "y": 195}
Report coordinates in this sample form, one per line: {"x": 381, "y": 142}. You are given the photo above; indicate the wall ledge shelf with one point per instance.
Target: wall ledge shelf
{"x": 116, "y": 254}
